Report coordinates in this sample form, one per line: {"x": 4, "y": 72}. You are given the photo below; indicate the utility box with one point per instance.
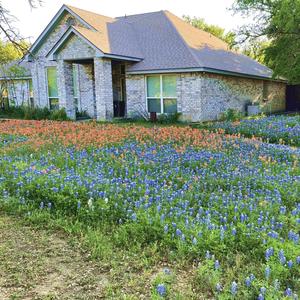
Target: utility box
{"x": 253, "y": 110}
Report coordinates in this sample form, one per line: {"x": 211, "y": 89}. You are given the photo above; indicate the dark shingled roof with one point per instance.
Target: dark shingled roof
{"x": 163, "y": 42}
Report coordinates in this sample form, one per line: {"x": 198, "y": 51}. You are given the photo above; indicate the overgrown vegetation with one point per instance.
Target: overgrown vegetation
{"x": 223, "y": 206}
{"x": 29, "y": 113}
{"x": 280, "y": 129}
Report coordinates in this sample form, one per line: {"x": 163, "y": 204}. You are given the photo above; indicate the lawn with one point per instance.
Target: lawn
{"x": 218, "y": 214}
{"x": 280, "y": 129}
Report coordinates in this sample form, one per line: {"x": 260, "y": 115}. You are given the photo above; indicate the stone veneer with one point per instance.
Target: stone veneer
{"x": 203, "y": 96}
{"x": 103, "y": 89}
{"x": 136, "y": 95}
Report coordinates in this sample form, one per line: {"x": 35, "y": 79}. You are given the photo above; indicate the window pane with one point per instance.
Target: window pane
{"x": 169, "y": 86}
{"x": 54, "y": 103}
{"x": 154, "y": 105}
{"x": 170, "y": 106}
{"x": 75, "y": 78}
{"x": 52, "y": 82}
{"x": 153, "y": 86}
{"x": 30, "y": 89}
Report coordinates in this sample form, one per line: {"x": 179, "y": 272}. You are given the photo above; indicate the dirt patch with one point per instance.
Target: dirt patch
{"x": 37, "y": 264}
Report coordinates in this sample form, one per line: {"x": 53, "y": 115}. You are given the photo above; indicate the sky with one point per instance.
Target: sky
{"x": 31, "y": 22}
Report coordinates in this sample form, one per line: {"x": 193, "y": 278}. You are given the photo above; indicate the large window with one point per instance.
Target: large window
{"x": 75, "y": 88}
{"x": 161, "y": 94}
{"x": 52, "y": 88}
{"x": 30, "y": 87}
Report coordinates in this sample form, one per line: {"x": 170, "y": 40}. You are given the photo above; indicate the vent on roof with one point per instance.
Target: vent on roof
{"x": 71, "y": 21}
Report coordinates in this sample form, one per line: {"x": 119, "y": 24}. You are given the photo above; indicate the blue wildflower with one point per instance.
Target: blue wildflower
{"x": 161, "y": 290}
{"x": 234, "y": 288}
{"x": 267, "y": 272}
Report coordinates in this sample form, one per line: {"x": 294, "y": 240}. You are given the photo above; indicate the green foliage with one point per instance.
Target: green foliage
{"x": 256, "y": 49}
{"x": 232, "y": 115}
{"x": 9, "y": 52}
{"x": 279, "y": 21}
{"x": 29, "y": 113}
{"x": 227, "y": 37}
{"x": 169, "y": 118}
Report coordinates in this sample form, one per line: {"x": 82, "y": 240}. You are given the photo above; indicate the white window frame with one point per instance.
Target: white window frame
{"x": 47, "y": 84}
{"x": 161, "y": 92}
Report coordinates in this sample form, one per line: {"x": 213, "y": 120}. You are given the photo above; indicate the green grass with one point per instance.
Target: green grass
{"x": 43, "y": 257}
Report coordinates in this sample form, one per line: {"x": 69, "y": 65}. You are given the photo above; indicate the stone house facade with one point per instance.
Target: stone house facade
{"x": 154, "y": 62}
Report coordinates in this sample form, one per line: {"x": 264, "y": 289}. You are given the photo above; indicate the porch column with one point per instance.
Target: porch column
{"x": 65, "y": 88}
{"x": 103, "y": 89}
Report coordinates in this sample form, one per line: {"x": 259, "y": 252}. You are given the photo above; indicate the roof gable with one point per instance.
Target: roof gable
{"x": 52, "y": 25}
{"x": 158, "y": 41}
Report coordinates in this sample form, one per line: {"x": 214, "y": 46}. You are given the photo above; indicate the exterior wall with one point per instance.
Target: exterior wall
{"x": 220, "y": 93}
{"x": 86, "y": 89}
{"x": 103, "y": 89}
{"x": 203, "y": 97}
{"x": 65, "y": 88}
{"x": 76, "y": 48}
{"x": 189, "y": 89}
{"x": 136, "y": 95}
{"x": 40, "y": 62}
{"x": 275, "y": 97}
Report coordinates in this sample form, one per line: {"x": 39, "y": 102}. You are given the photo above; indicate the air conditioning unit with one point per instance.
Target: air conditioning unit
{"x": 253, "y": 110}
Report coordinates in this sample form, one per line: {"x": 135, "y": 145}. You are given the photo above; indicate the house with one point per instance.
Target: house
{"x": 152, "y": 62}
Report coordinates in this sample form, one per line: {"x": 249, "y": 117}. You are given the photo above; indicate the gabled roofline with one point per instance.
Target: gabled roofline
{"x": 99, "y": 52}
{"x": 52, "y": 23}
{"x": 65, "y": 37}
{"x": 203, "y": 70}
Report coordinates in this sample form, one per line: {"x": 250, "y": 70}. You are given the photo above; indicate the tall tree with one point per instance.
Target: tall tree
{"x": 228, "y": 37}
{"x": 279, "y": 21}
{"x": 8, "y": 31}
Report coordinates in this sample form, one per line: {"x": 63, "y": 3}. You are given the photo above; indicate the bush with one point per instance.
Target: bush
{"x": 169, "y": 118}
{"x": 29, "y": 113}
{"x": 232, "y": 115}
{"x": 58, "y": 115}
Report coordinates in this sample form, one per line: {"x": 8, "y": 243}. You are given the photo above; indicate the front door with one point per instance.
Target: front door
{"x": 119, "y": 88}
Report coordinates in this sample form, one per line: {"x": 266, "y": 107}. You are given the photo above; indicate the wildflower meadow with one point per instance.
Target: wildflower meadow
{"x": 226, "y": 207}
{"x": 278, "y": 129}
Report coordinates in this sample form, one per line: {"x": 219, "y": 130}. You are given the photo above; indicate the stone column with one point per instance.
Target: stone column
{"x": 103, "y": 89}
{"x": 65, "y": 88}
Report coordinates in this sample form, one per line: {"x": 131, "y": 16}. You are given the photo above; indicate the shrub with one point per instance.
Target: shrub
{"x": 169, "y": 118}
{"x": 33, "y": 113}
{"x": 58, "y": 115}
{"x": 232, "y": 115}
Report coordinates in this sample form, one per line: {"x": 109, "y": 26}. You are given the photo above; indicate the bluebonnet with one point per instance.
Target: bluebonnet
{"x": 161, "y": 290}
{"x": 290, "y": 264}
{"x": 248, "y": 282}
{"x": 289, "y": 292}
{"x": 267, "y": 272}
{"x": 260, "y": 297}
{"x": 217, "y": 265}
{"x": 234, "y": 288}
{"x": 218, "y": 287}
{"x": 281, "y": 257}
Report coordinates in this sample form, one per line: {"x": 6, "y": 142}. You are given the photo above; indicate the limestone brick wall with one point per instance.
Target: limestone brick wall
{"x": 86, "y": 89}
{"x": 40, "y": 62}
{"x": 103, "y": 89}
{"x": 203, "y": 96}
{"x": 136, "y": 95}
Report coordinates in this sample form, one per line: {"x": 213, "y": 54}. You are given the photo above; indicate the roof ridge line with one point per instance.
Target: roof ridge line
{"x": 88, "y": 11}
{"x": 181, "y": 38}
